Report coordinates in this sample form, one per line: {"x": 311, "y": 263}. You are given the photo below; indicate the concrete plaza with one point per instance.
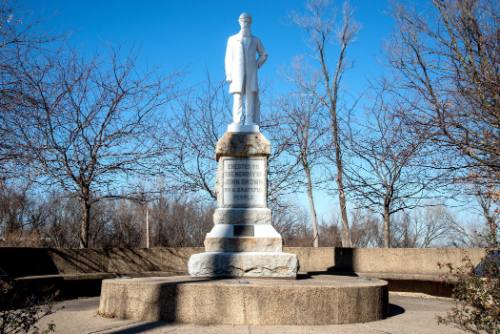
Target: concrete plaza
{"x": 409, "y": 313}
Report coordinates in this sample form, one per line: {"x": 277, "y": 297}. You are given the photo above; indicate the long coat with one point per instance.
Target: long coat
{"x": 241, "y": 63}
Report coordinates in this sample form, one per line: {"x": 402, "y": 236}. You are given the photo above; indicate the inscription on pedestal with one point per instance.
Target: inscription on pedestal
{"x": 244, "y": 183}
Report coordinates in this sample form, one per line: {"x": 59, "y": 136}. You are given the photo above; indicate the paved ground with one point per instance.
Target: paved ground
{"x": 410, "y": 313}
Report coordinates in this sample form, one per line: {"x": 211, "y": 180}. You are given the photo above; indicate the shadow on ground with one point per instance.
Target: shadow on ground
{"x": 395, "y": 310}
{"x": 139, "y": 328}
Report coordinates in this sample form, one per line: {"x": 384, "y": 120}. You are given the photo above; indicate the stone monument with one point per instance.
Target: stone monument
{"x": 243, "y": 241}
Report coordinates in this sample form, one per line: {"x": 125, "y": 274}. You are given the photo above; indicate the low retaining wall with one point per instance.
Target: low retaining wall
{"x": 403, "y": 261}
{"x": 406, "y": 269}
{"x": 19, "y": 262}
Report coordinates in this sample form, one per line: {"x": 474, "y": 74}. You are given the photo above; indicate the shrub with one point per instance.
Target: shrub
{"x": 20, "y": 313}
{"x": 477, "y": 295}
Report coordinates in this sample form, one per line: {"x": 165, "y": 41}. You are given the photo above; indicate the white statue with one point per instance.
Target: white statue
{"x": 241, "y": 74}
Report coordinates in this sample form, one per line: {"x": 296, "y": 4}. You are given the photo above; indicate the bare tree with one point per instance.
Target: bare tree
{"x": 365, "y": 229}
{"x": 490, "y": 210}
{"x": 388, "y": 166}
{"x": 283, "y": 173}
{"x": 292, "y": 224}
{"x": 18, "y": 36}
{"x": 88, "y": 127}
{"x": 194, "y": 132}
{"x": 180, "y": 220}
{"x": 447, "y": 66}
{"x": 331, "y": 235}
{"x": 199, "y": 123}
{"x": 305, "y": 137}
{"x": 321, "y": 25}
{"x": 425, "y": 227}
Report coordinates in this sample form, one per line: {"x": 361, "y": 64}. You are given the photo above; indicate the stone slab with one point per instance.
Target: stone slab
{"x": 243, "y": 264}
{"x": 243, "y": 244}
{"x": 234, "y": 144}
{"x": 321, "y": 300}
{"x": 229, "y": 231}
{"x": 242, "y": 216}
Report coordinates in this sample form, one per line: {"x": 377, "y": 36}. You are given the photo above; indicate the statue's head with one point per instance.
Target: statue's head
{"x": 245, "y": 20}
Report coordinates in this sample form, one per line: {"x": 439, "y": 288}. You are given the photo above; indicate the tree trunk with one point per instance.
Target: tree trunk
{"x": 387, "y": 227}
{"x": 85, "y": 221}
{"x": 333, "y": 99}
{"x": 312, "y": 207}
{"x": 493, "y": 242}
{"x": 346, "y": 232}
{"x": 492, "y": 226}
{"x": 147, "y": 224}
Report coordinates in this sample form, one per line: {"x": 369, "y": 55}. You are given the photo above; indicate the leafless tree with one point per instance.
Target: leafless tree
{"x": 425, "y": 227}
{"x": 331, "y": 235}
{"x": 180, "y": 220}
{"x": 388, "y": 168}
{"x": 283, "y": 174}
{"x": 13, "y": 208}
{"x": 490, "y": 209}
{"x": 292, "y": 224}
{"x": 198, "y": 124}
{"x": 194, "y": 131}
{"x": 470, "y": 233}
{"x": 305, "y": 133}
{"x": 88, "y": 126}
{"x": 446, "y": 60}
{"x": 365, "y": 229}
{"x": 17, "y": 36}
{"x": 323, "y": 28}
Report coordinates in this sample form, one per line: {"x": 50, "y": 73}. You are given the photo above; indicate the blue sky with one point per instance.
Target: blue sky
{"x": 192, "y": 34}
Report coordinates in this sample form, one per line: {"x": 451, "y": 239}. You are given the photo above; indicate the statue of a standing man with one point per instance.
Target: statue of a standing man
{"x": 241, "y": 74}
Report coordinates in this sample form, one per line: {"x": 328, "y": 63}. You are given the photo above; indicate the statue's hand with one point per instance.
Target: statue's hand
{"x": 229, "y": 80}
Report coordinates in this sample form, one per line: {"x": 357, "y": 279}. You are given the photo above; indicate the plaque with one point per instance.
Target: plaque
{"x": 243, "y": 231}
{"x": 244, "y": 183}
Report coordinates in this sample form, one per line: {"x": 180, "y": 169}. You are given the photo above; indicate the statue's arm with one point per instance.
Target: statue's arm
{"x": 262, "y": 54}
{"x": 228, "y": 61}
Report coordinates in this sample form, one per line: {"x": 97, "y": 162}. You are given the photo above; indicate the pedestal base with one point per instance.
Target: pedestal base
{"x": 242, "y": 216}
{"x": 243, "y": 264}
{"x": 229, "y": 238}
{"x": 321, "y": 300}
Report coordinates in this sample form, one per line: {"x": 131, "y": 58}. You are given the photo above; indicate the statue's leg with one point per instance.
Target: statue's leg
{"x": 251, "y": 105}
{"x": 237, "y": 108}
{"x": 256, "y": 119}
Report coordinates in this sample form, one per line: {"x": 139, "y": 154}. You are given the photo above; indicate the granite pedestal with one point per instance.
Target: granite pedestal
{"x": 320, "y": 300}
{"x": 243, "y": 241}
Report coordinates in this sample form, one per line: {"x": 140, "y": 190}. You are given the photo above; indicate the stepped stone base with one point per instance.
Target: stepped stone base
{"x": 242, "y": 216}
{"x": 243, "y": 264}
{"x": 242, "y": 244}
{"x": 244, "y": 145}
{"x": 320, "y": 300}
